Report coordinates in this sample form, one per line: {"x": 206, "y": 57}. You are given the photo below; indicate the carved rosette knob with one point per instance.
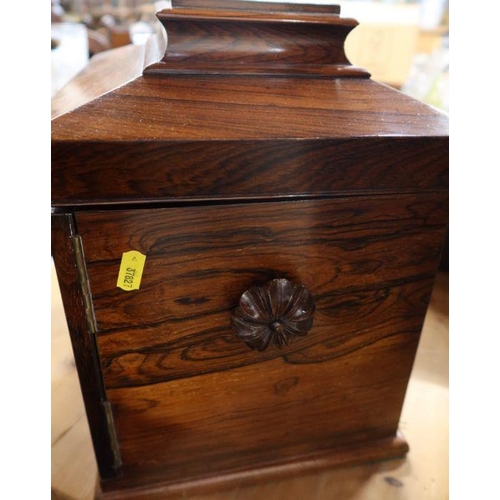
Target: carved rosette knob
{"x": 273, "y": 314}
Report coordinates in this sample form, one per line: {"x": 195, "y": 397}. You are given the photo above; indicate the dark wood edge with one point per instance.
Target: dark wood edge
{"x": 83, "y": 344}
{"x": 125, "y": 204}
{"x": 392, "y": 447}
{"x": 278, "y": 169}
{"x": 298, "y": 70}
{"x": 253, "y": 14}
{"x": 257, "y": 6}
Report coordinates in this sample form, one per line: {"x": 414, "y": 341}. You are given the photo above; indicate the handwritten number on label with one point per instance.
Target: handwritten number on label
{"x": 128, "y": 279}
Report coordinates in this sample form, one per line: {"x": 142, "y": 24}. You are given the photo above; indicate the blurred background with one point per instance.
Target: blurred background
{"x": 403, "y": 43}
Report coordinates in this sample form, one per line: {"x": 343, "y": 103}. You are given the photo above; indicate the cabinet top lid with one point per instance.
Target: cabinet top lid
{"x": 239, "y": 106}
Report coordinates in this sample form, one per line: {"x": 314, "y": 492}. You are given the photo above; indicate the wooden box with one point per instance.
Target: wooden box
{"x": 246, "y": 236}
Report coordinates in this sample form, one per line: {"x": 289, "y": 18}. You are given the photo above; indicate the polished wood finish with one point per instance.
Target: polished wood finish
{"x": 422, "y": 475}
{"x": 302, "y": 144}
{"x": 262, "y": 7}
{"x": 357, "y": 257}
{"x": 371, "y": 452}
{"x": 288, "y": 137}
{"x": 232, "y": 108}
{"x": 225, "y": 183}
{"x": 260, "y": 41}
{"x": 369, "y": 264}
{"x": 89, "y": 83}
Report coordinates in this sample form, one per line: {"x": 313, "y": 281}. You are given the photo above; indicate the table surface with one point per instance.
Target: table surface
{"x": 422, "y": 475}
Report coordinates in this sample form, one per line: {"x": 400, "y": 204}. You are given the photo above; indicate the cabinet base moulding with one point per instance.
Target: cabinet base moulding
{"x": 389, "y": 448}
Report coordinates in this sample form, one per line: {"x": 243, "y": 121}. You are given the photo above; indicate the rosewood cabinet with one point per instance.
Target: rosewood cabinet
{"x": 246, "y": 236}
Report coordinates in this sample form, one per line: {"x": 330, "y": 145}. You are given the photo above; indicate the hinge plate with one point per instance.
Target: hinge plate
{"x": 84, "y": 283}
{"x": 112, "y": 431}
{"x": 92, "y": 330}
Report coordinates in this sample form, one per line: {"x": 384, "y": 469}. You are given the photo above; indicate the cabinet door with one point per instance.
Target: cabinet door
{"x": 189, "y": 397}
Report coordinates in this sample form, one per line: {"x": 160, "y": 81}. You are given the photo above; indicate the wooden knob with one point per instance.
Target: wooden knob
{"x": 273, "y": 314}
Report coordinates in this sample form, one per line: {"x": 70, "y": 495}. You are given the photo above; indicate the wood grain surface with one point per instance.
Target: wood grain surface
{"x": 423, "y": 475}
{"x": 237, "y": 138}
{"x": 127, "y": 65}
{"x": 229, "y": 108}
{"x": 353, "y": 255}
{"x": 259, "y": 40}
{"x": 147, "y": 172}
{"x": 223, "y": 137}
{"x": 224, "y": 183}
{"x": 262, "y": 7}
{"x": 188, "y": 397}
{"x": 147, "y": 139}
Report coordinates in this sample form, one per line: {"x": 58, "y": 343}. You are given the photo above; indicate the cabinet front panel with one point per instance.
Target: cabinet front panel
{"x": 187, "y": 394}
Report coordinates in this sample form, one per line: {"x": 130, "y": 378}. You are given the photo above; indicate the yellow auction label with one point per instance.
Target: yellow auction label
{"x": 131, "y": 268}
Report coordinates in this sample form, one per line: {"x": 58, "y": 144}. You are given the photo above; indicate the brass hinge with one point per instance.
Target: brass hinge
{"x": 92, "y": 329}
{"x": 112, "y": 434}
{"x": 84, "y": 283}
